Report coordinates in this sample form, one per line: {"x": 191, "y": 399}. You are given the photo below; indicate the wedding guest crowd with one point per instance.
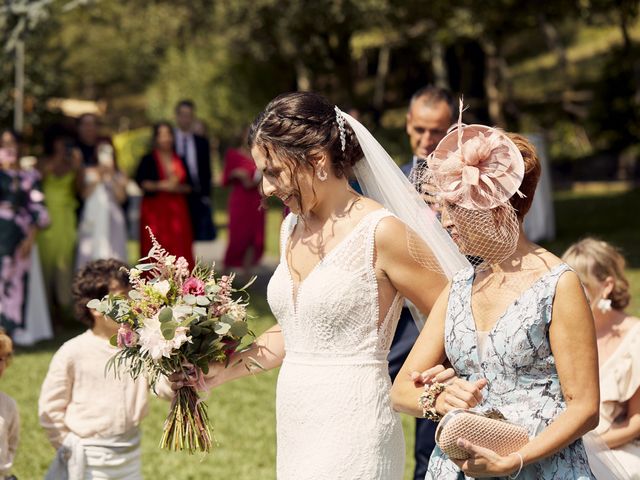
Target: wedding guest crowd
{"x": 72, "y": 205}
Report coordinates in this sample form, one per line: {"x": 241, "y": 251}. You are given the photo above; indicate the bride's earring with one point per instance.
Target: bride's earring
{"x": 322, "y": 175}
{"x": 604, "y": 305}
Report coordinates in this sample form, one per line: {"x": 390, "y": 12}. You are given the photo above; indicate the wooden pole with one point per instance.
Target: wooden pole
{"x": 18, "y": 111}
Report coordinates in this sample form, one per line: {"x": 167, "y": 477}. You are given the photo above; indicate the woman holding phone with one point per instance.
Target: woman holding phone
{"x": 102, "y": 232}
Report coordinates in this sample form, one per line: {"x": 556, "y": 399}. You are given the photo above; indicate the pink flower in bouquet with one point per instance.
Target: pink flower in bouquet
{"x": 126, "y": 336}
{"x": 193, "y": 286}
{"x": 225, "y": 285}
{"x": 182, "y": 267}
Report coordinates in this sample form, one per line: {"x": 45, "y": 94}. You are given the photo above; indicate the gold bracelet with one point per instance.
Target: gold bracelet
{"x": 427, "y": 401}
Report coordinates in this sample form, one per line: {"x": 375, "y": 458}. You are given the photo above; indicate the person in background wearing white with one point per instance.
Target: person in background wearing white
{"x": 102, "y": 232}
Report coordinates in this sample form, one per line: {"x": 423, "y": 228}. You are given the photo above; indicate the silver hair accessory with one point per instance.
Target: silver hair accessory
{"x": 343, "y": 134}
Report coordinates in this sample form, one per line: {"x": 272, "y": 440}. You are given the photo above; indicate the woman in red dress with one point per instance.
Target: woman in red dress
{"x": 246, "y": 216}
{"x": 162, "y": 175}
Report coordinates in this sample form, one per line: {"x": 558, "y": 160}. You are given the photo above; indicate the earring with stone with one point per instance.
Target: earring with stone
{"x": 322, "y": 175}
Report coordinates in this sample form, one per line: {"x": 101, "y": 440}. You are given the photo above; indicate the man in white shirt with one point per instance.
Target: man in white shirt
{"x": 194, "y": 150}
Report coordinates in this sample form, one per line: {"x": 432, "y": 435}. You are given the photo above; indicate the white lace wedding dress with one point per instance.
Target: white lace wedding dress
{"x": 334, "y": 414}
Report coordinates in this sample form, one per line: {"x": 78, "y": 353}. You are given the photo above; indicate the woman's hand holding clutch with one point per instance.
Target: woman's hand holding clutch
{"x": 484, "y": 462}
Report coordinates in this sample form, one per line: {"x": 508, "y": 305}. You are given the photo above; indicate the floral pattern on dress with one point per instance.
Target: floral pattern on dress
{"x": 519, "y": 366}
{"x": 21, "y": 207}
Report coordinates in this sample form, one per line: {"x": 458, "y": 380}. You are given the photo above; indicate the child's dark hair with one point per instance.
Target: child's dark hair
{"x": 93, "y": 281}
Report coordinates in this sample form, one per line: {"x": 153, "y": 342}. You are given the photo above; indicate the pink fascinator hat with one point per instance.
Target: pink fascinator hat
{"x": 476, "y": 167}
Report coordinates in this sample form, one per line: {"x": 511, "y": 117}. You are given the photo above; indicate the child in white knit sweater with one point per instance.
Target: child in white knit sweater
{"x": 93, "y": 419}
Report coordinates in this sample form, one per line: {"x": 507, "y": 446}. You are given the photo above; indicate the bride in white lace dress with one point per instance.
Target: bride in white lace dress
{"x": 345, "y": 268}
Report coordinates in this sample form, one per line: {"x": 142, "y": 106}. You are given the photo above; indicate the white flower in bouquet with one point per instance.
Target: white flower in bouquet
{"x": 152, "y": 341}
{"x": 181, "y": 336}
{"x": 162, "y": 287}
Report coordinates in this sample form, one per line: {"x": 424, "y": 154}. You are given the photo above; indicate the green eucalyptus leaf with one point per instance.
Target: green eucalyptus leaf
{"x": 212, "y": 289}
{"x": 200, "y": 311}
{"x": 189, "y": 299}
{"x": 114, "y": 340}
{"x": 168, "y": 330}
{"x": 222, "y": 328}
{"x": 165, "y": 315}
{"x": 144, "y": 267}
{"x": 227, "y": 319}
{"x": 94, "y": 304}
{"x": 195, "y": 330}
{"x": 202, "y": 301}
{"x": 239, "y": 329}
{"x": 135, "y": 295}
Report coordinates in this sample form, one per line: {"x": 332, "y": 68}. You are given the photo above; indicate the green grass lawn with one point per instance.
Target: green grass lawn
{"x": 244, "y": 412}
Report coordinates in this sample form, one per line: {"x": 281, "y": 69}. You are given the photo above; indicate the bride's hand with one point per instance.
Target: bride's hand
{"x": 487, "y": 463}
{"x": 189, "y": 376}
{"x": 438, "y": 374}
{"x": 460, "y": 393}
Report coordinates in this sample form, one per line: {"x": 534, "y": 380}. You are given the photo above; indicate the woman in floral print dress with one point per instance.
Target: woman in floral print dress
{"x": 22, "y": 212}
{"x": 517, "y": 329}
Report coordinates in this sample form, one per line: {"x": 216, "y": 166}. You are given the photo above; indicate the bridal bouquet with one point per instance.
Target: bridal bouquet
{"x": 176, "y": 319}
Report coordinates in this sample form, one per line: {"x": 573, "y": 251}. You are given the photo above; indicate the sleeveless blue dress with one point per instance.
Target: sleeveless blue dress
{"x": 520, "y": 368}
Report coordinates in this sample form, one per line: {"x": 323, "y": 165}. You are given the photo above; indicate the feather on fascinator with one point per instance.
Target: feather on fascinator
{"x": 476, "y": 167}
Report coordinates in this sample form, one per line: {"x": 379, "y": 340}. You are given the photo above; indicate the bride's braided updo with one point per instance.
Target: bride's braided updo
{"x": 297, "y": 127}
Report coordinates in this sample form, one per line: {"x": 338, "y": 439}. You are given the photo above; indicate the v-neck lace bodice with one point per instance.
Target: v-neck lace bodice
{"x": 335, "y": 308}
{"x": 333, "y": 411}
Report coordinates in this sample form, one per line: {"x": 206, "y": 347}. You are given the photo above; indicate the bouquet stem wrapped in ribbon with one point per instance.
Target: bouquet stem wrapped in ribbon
{"x": 177, "y": 319}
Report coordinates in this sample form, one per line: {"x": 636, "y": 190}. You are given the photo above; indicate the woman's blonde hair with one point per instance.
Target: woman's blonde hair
{"x": 6, "y": 345}
{"x": 594, "y": 259}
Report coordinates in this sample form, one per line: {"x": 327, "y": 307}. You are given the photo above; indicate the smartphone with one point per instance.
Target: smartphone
{"x": 105, "y": 156}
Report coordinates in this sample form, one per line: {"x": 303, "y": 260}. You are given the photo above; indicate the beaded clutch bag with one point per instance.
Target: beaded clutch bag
{"x": 480, "y": 429}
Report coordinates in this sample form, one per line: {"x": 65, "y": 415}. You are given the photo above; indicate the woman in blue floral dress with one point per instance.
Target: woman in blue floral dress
{"x": 22, "y": 212}
{"x": 516, "y": 329}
